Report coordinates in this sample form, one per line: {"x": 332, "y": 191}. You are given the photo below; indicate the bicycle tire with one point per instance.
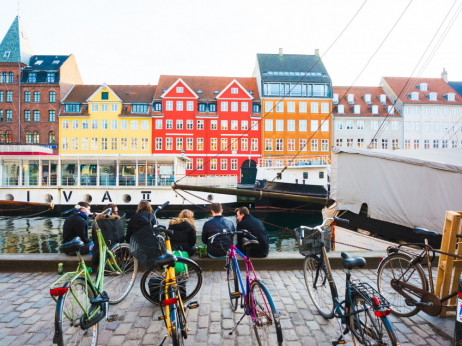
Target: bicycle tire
{"x": 318, "y": 286}
{"x": 233, "y": 285}
{"x": 393, "y": 267}
{"x": 368, "y": 329}
{"x": 69, "y": 313}
{"x": 116, "y": 284}
{"x": 264, "y": 315}
{"x": 191, "y": 282}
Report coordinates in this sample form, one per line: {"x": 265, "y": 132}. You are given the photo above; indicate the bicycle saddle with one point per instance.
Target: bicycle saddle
{"x": 352, "y": 262}
{"x": 72, "y": 246}
{"x": 425, "y": 232}
{"x": 247, "y": 242}
{"x": 166, "y": 259}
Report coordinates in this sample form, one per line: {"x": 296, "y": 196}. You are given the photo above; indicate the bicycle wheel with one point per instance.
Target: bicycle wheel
{"x": 189, "y": 281}
{"x": 398, "y": 266}
{"x": 317, "y": 283}
{"x": 118, "y": 284}
{"x": 70, "y": 311}
{"x": 233, "y": 285}
{"x": 264, "y": 317}
{"x": 368, "y": 329}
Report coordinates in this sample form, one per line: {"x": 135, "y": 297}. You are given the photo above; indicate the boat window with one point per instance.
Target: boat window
{"x": 305, "y": 175}
{"x": 321, "y": 175}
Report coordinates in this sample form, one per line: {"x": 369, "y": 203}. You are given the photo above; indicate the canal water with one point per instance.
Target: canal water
{"x": 44, "y": 234}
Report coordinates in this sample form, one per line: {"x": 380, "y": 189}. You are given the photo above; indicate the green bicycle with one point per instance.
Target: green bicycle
{"x": 81, "y": 303}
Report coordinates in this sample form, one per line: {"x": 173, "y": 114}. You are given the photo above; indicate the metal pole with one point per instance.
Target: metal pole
{"x": 458, "y": 326}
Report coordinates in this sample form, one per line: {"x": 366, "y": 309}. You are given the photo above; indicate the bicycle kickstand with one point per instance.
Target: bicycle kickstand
{"x": 163, "y": 340}
{"x": 341, "y": 339}
{"x": 232, "y": 330}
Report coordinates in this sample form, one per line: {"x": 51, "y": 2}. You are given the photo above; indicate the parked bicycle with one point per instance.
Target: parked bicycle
{"x": 401, "y": 278}
{"x": 254, "y": 297}
{"x": 169, "y": 281}
{"x": 82, "y": 303}
{"x": 364, "y": 311}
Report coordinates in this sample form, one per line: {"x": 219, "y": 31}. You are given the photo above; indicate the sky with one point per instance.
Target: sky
{"x": 136, "y": 41}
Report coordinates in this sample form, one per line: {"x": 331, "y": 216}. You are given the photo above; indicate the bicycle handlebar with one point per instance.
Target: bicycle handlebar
{"x": 231, "y": 233}
{"x": 321, "y": 227}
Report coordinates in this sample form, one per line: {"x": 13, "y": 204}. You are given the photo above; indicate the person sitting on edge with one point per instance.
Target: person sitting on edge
{"x": 218, "y": 224}
{"x": 142, "y": 219}
{"x": 112, "y": 216}
{"x": 76, "y": 226}
{"x": 256, "y": 228}
{"x": 184, "y": 236}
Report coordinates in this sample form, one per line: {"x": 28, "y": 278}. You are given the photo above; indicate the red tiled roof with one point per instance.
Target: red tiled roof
{"x": 366, "y": 109}
{"x": 128, "y": 93}
{"x": 403, "y": 86}
{"x": 208, "y": 85}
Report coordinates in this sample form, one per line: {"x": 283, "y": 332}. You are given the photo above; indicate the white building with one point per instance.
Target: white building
{"x": 431, "y": 109}
{"x": 364, "y": 117}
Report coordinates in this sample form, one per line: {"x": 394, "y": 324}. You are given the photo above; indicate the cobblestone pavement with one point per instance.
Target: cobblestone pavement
{"x": 27, "y": 312}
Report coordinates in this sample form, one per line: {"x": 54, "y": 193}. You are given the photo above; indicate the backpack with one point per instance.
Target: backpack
{"x": 180, "y": 267}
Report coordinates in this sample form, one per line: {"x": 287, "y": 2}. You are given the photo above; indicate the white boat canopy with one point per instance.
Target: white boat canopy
{"x": 413, "y": 188}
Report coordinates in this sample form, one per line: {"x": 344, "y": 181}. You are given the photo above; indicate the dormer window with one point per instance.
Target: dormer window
{"x": 32, "y": 77}
{"x": 199, "y": 91}
{"x": 390, "y": 110}
{"x": 357, "y": 109}
{"x": 367, "y": 98}
{"x": 179, "y": 90}
{"x": 351, "y": 98}
{"x": 6, "y": 55}
{"x": 414, "y": 96}
{"x": 450, "y": 96}
{"x": 335, "y": 98}
{"x": 213, "y": 107}
{"x": 422, "y": 86}
{"x": 432, "y": 96}
{"x": 216, "y": 92}
{"x": 375, "y": 109}
{"x": 158, "y": 106}
{"x": 202, "y": 107}
{"x": 340, "y": 109}
{"x": 383, "y": 99}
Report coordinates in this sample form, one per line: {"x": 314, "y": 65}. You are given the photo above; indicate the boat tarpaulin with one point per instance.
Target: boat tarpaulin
{"x": 412, "y": 188}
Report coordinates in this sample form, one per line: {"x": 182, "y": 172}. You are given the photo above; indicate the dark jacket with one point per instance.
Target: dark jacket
{"x": 256, "y": 228}
{"x": 221, "y": 244}
{"x": 137, "y": 222}
{"x": 184, "y": 236}
{"x": 76, "y": 226}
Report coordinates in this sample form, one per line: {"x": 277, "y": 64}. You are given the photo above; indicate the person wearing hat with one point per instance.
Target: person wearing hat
{"x": 76, "y": 226}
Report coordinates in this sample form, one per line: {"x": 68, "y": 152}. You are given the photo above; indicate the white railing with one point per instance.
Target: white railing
{"x": 226, "y": 180}
{"x": 299, "y": 161}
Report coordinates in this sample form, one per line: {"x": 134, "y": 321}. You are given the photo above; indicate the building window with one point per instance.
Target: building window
{"x": 94, "y": 107}
{"x": 349, "y": 124}
{"x": 234, "y": 106}
{"x": 50, "y": 77}
{"x": 189, "y": 124}
{"x": 72, "y": 108}
{"x": 179, "y": 143}
{"x": 224, "y": 164}
{"x": 360, "y": 142}
{"x": 75, "y": 124}
{"x": 224, "y": 106}
{"x": 104, "y": 107}
{"x": 395, "y": 143}
{"x": 64, "y": 143}
{"x": 233, "y": 90}
{"x": 280, "y": 125}
{"x": 94, "y": 124}
{"x": 144, "y": 143}
{"x": 291, "y": 107}
{"x": 189, "y": 106}
{"x": 436, "y": 143}
{"x": 256, "y": 109}
{"x": 244, "y": 106}
{"x": 302, "y": 144}
{"x": 213, "y": 164}
{"x": 189, "y": 143}
{"x": 9, "y": 96}
{"x": 213, "y": 107}
{"x": 179, "y": 105}
{"x": 314, "y": 145}
{"x": 9, "y": 115}
{"x": 65, "y": 124}
{"x": 268, "y": 106}
{"x": 51, "y": 137}
{"x": 244, "y": 144}
{"x": 224, "y": 144}
{"x": 268, "y": 124}
{"x": 133, "y": 143}
{"x": 325, "y": 145}
{"x": 349, "y": 142}
{"x": 104, "y": 95}
{"x": 200, "y": 124}
{"x": 103, "y": 143}
{"x": 268, "y": 144}
{"x": 140, "y": 108}
{"x": 85, "y": 124}
{"x": 314, "y": 125}
{"x": 202, "y": 107}
{"x": 360, "y": 124}
{"x": 94, "y": 143}
{"x": 200, "y": 164}
{"x": 144, "y": 124}
{"x": 158, "y": 143}
{"x": 314, "y": 107}
{"x": 10, "y": 79}
{"x": 254, "y": 125}
{"x": 200, "y": 143}
{"x": 134, "y": 124}
{"x": 291, "y": 144}
{"x": 179, "y": 124}
{"x": 224, "y": 124}
{"x": 113, "y": 124}
{"x": 325, "y": 107}
{"x": 254, "y": 144}
{"x": 104, "y": 124}
{"x": 213, "y": 144}
{"x": 115, "y": 107}
{"x": 234, "y": 125}
{"x": 244, "y": 125}
{"x": 158, "y": 124}
{"x": 32, "y": 78}
{"x": 37, "y": 97}
{"x": 279, "y": 144}
{"x": 302, "y": 125}
{"x": 36, "y": 116}
{"x": 169, "y": 105}
{"x": 213, "y": 124}
{"x": 384, "y": 143}
{"x": 113, "y": 143}
{"x": 124, "y": 143}
{"x": 234, "y": 164}
{"x": 280, "y": 107}
{"x": 27, "y": 116}
{"x": 291, "y": 125}
{"x": 169, "y": 143}
{"x": 84, "y": 143}
{"x": 26, "y": 96}
{"x": 169, "y": 124}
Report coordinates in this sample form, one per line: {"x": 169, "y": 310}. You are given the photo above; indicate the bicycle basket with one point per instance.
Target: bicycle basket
{"x": 311, "y": 243}
{"x": 145, "y": 247}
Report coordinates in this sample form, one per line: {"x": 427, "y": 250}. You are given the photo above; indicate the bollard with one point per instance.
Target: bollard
{"x": 458, "y": 326}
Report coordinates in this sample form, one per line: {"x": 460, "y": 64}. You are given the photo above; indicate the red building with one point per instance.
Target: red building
{"x": 214, "y": 121}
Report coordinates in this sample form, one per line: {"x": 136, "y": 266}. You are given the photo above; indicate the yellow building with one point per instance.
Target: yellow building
{"x": 98, "y": 123}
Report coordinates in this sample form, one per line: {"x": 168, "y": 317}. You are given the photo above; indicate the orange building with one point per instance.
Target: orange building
{"x": 296, "y": 99}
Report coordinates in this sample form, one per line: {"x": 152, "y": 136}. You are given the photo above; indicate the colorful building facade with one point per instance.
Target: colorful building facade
{"x": 213, "y": 121}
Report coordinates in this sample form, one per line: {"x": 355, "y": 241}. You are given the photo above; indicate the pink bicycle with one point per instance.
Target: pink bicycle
{"x": 254, "y": 297}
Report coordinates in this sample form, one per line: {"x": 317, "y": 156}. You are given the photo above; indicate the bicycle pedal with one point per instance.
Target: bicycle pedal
{"x": 160, "y": 318}
{"x": 236, "y": 295}
{"x": 193, "y": 305}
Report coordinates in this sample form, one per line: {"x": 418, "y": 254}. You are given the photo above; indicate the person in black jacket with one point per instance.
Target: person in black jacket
{"x": 76, "y": 226}
{"x": 184, "y": 232}
{"x": 218, "y": 224}
{"x": 256, "y": 228}
{"x": 142, "y": 219}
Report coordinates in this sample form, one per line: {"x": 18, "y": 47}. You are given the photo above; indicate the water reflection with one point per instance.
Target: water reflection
{"x": 44, "y": 234}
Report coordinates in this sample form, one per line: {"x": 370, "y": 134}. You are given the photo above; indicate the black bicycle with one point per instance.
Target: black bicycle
{"x": 364, "y": 311}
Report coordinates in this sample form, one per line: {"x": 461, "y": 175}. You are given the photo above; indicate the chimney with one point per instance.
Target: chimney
{"x": 280, "y": 52}
{"x": 316, "y": 52}
{"x": 444, "y": 75}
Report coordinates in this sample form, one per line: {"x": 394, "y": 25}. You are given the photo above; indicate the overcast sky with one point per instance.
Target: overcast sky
{"x": 135, "y": 41}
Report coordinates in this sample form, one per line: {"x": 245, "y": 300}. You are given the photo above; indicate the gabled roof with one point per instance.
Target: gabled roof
{"x": 15, "y": 46}
{"x": 457, "y": 86}
{"x": 179, "y": 81}
{"x": 359, "y": 99}
{"x": 238, "y": 85}
{"x": 403, "y": 87}
{"x": 46, "y": 62}
{"x": 292, "y": 68}
{"x": 127, "y": 93}
{"x": 207, "y": 87}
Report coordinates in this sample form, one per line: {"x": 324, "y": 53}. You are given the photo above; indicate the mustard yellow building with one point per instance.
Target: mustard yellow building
{"x": 99, "y": 124}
